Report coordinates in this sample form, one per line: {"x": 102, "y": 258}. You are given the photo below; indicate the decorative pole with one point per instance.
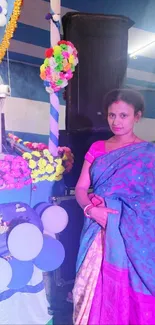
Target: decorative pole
{"x": 57, "y": 69}
{"x": 54, "y": 97}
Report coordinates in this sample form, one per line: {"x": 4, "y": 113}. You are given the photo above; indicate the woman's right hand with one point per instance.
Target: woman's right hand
{"x": 100, "y": 214}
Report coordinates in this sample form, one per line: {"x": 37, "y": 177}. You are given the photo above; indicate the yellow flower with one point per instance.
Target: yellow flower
{"x": 58, "y": 178}
{"x": 50, "y": 159}
{"x": 42, "y": 171}
{"x": 42, "y": 162}
{"x": 32, "y": 164}
{"x": 57, "y": 49}
{"x": 71, "y": 59}
{"x": 64, "y": 157}
{"x": 27, "y": 155}
{"x": 42, "y": 68}
{"x": 34, "y": 174}
{"x": 36, "y": 153}
{"x": 46, "y": 152}
{"x": 59, "y": 170}
{"x": 51, "y": 178}
{"x": 58, "y": 161}
{"x": 19, "y": 140}
{"x": 43, "y": 178}
{"x": 49, "y": 169}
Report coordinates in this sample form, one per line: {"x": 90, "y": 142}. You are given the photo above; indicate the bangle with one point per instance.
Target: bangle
{"x": 87, "y": 209}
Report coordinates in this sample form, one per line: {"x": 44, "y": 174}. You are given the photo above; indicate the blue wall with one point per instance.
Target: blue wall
{"x": 26, "y": 83}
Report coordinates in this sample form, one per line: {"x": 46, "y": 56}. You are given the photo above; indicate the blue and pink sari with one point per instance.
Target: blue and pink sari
{"x": 115, "y": 283}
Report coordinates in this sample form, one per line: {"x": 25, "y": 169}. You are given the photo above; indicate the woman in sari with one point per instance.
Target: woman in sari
{"x": 115, "y": 283}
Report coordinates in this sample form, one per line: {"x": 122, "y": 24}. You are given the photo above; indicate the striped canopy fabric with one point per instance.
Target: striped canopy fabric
{"x": 32, "y": 35}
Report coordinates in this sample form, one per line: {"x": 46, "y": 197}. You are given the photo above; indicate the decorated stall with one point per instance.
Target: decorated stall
{"x": 29, "y": 222}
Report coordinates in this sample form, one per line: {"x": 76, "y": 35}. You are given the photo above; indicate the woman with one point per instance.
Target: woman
{"x": 115, "y": 281}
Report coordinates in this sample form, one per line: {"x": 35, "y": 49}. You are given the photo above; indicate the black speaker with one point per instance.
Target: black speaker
{"x": 79, "y": 142}
{"x": 70, "y": 238}
{"x": 102, "y": 43}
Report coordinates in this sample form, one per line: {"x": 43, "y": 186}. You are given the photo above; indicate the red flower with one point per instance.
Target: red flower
{"x": 49, "y": 53}
{"x": 70, "y": 43}
{"x": 62, "y": 42}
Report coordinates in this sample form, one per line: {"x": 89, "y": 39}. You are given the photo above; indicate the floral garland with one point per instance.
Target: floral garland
{"x": 58, "y": 66}
{"x": 10, "y": 28}
{"x": 63, "y": 152}
{"x": 16, "y": 171}
{"x": 35, "y": 146}
{"x": 45, "y": 167}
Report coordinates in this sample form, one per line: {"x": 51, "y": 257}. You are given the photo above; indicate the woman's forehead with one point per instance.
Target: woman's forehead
{"x": 120, "y": 106}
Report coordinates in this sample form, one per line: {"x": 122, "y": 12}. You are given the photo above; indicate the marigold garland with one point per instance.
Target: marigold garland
{"x": 10, "y": 28}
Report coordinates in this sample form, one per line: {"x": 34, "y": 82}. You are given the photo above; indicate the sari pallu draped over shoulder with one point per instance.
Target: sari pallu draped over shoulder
{"x": 116, "y": 268}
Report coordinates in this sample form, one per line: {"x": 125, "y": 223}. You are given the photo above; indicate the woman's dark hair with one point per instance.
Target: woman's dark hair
{"x": 128, "y": 96}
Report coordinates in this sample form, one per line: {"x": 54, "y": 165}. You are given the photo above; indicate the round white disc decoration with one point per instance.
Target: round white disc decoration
{"x": 54, "y": 219}
{"x": 25, "y": 242}
{"x": 5, "y": 274}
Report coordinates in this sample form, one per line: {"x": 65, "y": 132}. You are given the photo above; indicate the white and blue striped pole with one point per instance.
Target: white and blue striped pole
{"x": 54, "y": 98}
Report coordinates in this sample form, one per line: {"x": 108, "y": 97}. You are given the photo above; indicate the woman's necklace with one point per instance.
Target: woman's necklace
{"x": 116, "y": 145}
{"x": 126, "y": 143}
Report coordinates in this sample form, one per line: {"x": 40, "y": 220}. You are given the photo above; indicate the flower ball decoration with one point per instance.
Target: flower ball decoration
{"x": 58, "y": 66}
{"x": 3, "y": 12}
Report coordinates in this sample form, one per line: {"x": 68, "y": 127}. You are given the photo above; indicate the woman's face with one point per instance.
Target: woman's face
{"x": 121, "y": 118}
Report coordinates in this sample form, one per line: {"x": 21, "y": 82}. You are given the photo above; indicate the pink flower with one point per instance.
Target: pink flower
{"x": 4, "y": 166}
{"x": 10, "y": 186}
{"x": 56, "y": 88}
{"x": 8, "y": 178}
{"x": 42, "y": 146}
{"x": 68, "y": 75}
{"x": 26, "y": 173}
{"x": 19, "y": 185}
{"x": 8, "y": 158}
{"x": 35, "y": 145}
{"x": 28, "y": 181}
{"x": 24, "y": 166}
{"x": 65, "y": 54}
{"x": 48, "y": 71}
{"x": 1, "y": 182}
{"x": 62, "y": 76}
{"x": 18, "y": 159}
{"x": 71, "y": 44}
{"x": 16, "y": 173}
{"x": 75, "y": 53}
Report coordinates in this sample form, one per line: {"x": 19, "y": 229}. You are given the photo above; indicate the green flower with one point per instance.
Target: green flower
{"x": 59, "y": 67}
{"x": 58, "y": 58}
{"x": 72, "y": 67}
{"x": 59, "y": 82}
{"x": 46, "y": 62}
{"x": 63, "y": 46}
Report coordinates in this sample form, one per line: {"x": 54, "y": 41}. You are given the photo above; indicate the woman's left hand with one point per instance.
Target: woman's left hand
{"x": 100, "y": 214}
